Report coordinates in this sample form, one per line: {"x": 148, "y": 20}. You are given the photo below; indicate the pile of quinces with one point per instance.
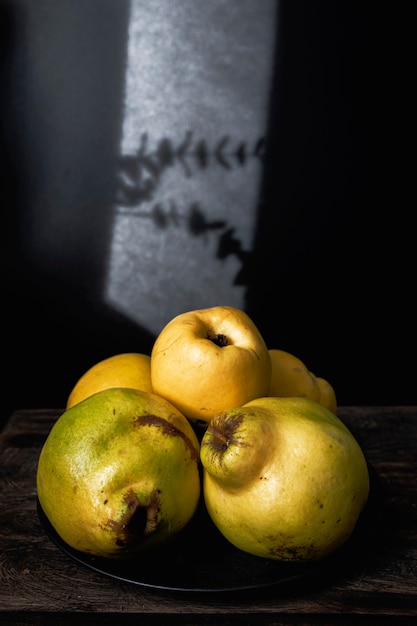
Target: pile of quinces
{"x": 211, "y": 413}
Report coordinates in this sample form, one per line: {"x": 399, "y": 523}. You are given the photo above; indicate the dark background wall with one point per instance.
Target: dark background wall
{"x": 332, "y": 275}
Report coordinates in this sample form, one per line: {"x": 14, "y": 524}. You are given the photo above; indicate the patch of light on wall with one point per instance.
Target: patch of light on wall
{"x": 196, "y": 98}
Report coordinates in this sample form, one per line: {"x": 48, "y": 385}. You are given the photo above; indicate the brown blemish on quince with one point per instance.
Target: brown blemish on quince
{"x": 168, "y": 429}
{"x": 221, "y": 432}
{"x": 218, "y": 339}
{"x": 283, "y": 552}
{"x": 138, "y": 522}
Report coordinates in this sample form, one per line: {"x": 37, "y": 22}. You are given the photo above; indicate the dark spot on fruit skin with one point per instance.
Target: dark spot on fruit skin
{"x": 168, "y": 429}
{"x": 293, "y": 554}
{"x": 138, "y": 522}
{"x": 218, "y": 339}
{"x": 220, "y": 434}
{"x": 280, "y": 548}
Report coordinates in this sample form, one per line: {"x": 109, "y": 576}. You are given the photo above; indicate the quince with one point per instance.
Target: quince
{"x": 291, "y": 378}
{"x": 130, "y": 369}
{"x": 119, "y": 473}
{"x": 284, "y": 478}
{"x": 207, "y": 360}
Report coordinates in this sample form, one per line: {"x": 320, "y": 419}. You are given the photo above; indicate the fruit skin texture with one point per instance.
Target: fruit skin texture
{"x": 290, "y": 377}
{"x": 284, "y": 478}
{"x": 129, "y": 369}
{"x": 119, "y": 473}
{"x": 207, "y": 360}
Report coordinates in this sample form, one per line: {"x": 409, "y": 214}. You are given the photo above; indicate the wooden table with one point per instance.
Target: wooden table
{"x": 40, "y": 584}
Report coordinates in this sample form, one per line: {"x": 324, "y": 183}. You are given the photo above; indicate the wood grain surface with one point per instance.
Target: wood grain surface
{"x": 40, "y": 584}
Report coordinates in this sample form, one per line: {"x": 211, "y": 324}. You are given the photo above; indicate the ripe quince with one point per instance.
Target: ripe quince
{"x": 130, "y": 369}
{"x": 290, "y": 377}
{"x": 208, "y": 360}
{"x": 284, "y": 478}
{"x": 119, "y": 473}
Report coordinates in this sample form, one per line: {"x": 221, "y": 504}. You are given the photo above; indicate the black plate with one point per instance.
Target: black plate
{"x": 200, "y": 559}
